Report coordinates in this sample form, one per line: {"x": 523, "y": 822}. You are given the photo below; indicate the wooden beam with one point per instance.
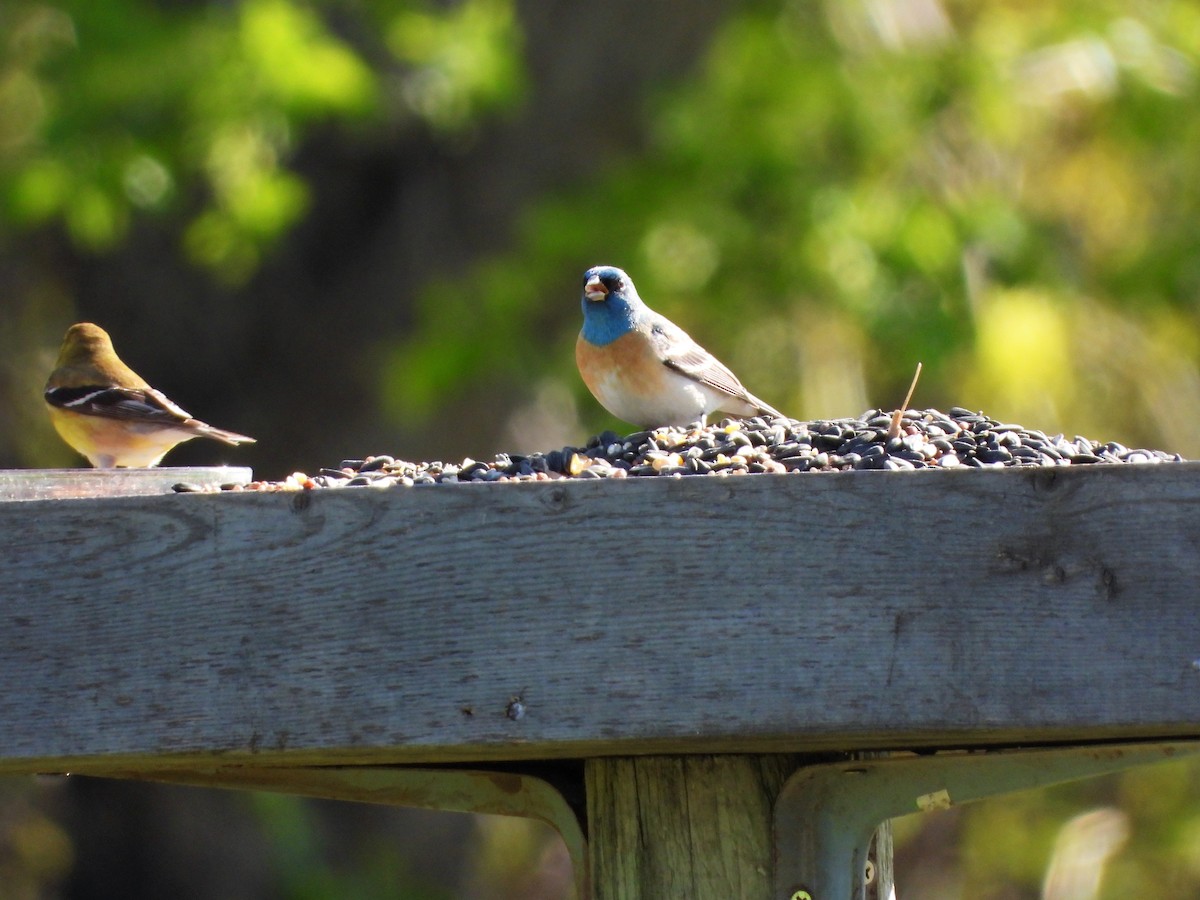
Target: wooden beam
{"x": 691, "y": 826}
{"x": 580, "y": 619}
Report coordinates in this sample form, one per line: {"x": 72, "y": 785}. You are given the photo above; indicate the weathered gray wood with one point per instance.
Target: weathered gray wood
{"x": 755, "y": 614}
{"x": 687, "y": 826}
{"x": 882, "y": 877}
{"x": 881, "y": 870}
{"x": 72, "y": 484}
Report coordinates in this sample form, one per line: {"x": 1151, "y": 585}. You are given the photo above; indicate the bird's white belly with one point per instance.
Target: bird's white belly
{"x": 679, "y": 401}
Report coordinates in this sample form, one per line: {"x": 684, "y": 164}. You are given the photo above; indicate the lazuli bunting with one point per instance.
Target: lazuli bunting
{"x": 645, "y": 369}
{"x": 103, "y": 409}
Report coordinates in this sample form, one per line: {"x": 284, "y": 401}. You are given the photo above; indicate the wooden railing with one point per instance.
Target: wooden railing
{"x": 683, "y": 675}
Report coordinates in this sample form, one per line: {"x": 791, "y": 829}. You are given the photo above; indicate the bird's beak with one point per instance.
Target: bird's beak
{"x": 595, "y": 290}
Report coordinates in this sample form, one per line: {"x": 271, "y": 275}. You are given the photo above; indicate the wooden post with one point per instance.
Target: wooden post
{"x": 881, "y": 871}
{"x": 694, "y": 827}
{"x": 882, "y": 876}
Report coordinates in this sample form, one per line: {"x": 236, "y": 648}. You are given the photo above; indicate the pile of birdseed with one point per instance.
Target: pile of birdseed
{"x": 928, "y": 439}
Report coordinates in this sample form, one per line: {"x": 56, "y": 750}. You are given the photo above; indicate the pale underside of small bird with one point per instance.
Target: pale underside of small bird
{"x": 109, "y": 414}
{"x": 645, "y": 369}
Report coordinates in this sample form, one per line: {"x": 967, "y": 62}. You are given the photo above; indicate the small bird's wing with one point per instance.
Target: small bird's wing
{"x": 142, "y": 406}
{"x": 678, "y": 351}
{"x": 128, "y": 404}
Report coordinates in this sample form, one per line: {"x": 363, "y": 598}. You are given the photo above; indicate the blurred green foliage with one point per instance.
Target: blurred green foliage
{"x": 1002, "y": 849}
{"x": 377, "y": 869}
{"x": 1003, "y": 191}
{"x": 35, "y": 851}
{"x": 115, "y": 109}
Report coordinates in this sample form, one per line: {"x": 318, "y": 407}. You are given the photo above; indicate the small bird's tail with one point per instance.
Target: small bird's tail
{"x": 203, "y": 429}
{"x": 763, "y": 408}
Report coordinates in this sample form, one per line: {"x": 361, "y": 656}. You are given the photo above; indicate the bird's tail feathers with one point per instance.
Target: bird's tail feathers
{"x": 203, "y": 429}
{"x": 764, "y": 408}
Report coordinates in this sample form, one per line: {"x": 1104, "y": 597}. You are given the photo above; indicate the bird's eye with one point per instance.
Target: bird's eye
{"x": 612, "y": 282}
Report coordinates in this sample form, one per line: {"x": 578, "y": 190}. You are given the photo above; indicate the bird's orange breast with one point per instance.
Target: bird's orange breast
{"x": 626, "y": 366}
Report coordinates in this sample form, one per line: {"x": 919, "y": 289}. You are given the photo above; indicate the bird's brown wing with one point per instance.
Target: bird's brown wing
{"x": 128, "y": 404}
{"x": 678, "y": 351}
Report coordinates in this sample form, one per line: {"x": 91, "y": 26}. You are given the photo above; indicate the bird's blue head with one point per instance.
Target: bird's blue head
{"x": 611, "y": 304}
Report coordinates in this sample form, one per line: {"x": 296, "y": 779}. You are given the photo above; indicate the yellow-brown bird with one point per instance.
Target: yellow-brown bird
{"x": 104, "y": 409}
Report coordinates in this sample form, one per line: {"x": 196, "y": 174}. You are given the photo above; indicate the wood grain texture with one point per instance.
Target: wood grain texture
{"x": 755, "y": 614}
{"x": 73, "y": 484}
{"x": 686, "y": 826}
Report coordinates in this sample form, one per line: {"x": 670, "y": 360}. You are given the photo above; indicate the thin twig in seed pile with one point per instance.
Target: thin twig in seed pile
{"x": 894, "y": 428}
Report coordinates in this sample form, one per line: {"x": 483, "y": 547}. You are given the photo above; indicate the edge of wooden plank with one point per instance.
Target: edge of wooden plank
{"x": 1055, "y": 579}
